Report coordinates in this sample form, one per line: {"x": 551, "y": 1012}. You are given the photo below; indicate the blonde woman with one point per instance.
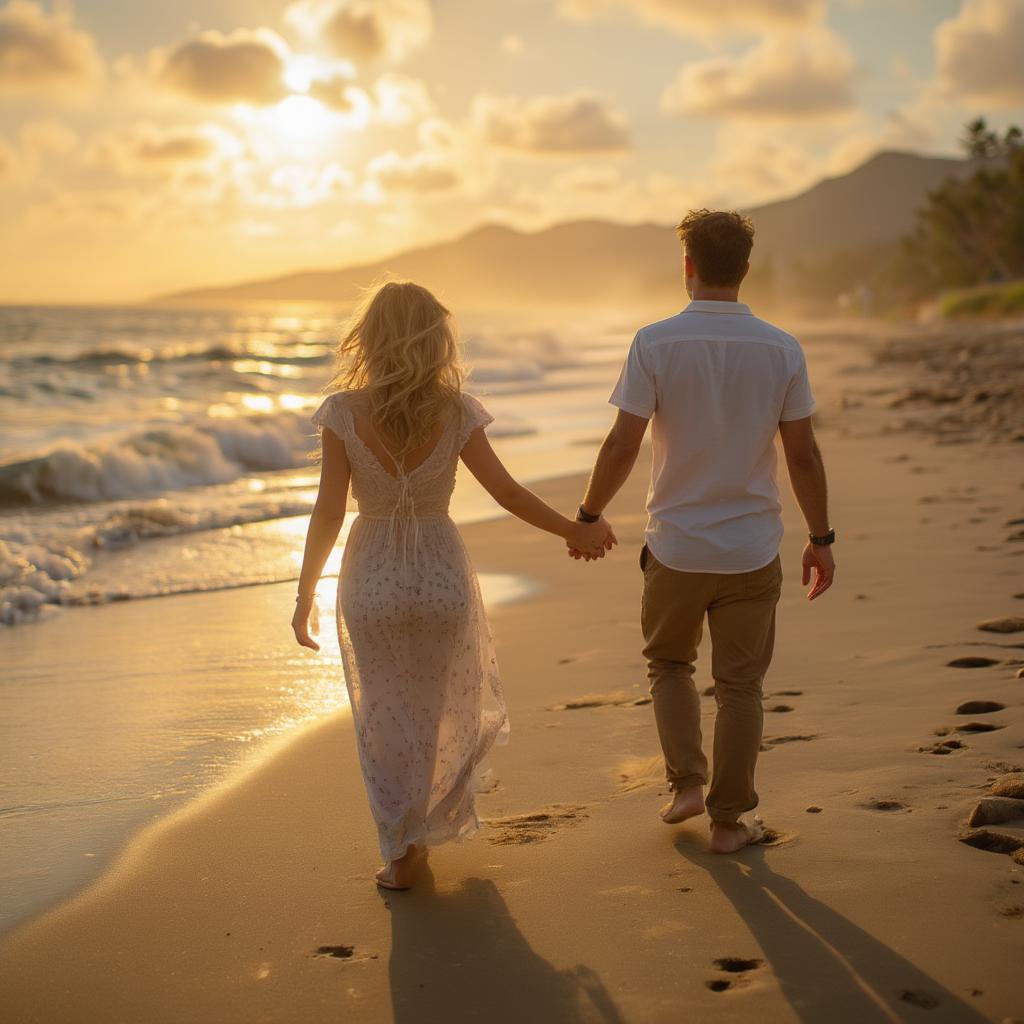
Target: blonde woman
{"x": 426, "y": 697}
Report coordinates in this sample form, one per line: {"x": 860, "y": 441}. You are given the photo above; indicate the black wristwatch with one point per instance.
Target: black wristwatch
{"x": 824, "y": 540}
{"x": 583, "y": 516}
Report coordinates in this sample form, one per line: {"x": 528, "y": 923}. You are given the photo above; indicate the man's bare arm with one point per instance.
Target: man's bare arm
{"x": 615, "y": 461}
{"x": 807, "y": 477}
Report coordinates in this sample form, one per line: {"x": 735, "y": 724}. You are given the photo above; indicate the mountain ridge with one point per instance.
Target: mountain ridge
{"x": 593, "y": 260}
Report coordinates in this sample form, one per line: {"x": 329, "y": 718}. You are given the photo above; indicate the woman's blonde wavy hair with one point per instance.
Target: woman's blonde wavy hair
{"x": 400, "y": 349}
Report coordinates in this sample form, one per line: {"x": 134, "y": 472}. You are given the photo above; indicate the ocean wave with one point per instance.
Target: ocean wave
{"x": 114, "y": 355}
{"x": 38, "y": 575}
{"x": 162, "y": 458}
{"x": 34, "y": 576}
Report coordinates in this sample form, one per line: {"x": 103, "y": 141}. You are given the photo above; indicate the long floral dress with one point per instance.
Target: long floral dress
{"x": 418, "y": 656}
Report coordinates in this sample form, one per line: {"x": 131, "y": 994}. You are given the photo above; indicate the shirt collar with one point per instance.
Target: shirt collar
{"x": 715, "y": 306}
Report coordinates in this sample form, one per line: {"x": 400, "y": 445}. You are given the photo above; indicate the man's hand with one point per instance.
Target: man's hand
{"x": 306, "y": 620}
{"x": 821, "y": 561}
{"x": 591, "y": 540}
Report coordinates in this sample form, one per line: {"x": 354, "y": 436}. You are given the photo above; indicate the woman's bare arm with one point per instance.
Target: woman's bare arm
{"x": 324, "y": 526}
{"x": 482, "y": 461}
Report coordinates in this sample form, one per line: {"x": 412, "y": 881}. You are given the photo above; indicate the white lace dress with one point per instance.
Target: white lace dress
{"x": 417, "y": 651}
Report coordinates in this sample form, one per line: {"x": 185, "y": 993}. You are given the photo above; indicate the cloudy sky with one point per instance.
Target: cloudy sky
{"x": 146, "y": 147}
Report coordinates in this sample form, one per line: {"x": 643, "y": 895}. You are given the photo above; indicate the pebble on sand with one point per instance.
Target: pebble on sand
{"x": 991, "y": 810}
{"x": 1010, "y": 785}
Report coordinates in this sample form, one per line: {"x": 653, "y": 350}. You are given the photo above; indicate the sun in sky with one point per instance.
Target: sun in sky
{"x": 153, "y": 147}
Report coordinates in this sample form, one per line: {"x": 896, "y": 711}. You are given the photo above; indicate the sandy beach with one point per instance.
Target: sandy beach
{"x": 574, "y": 903}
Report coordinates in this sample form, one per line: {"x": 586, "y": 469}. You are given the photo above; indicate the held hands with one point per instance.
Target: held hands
{"x": 306, "y": 620}
{"x": 821, "y": 561}
{"x": 591, "y": 540}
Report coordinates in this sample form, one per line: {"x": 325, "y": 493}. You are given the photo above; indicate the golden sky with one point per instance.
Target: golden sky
{"x": 147, "y": 147}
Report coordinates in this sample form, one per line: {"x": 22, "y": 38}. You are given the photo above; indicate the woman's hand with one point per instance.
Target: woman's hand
{"x": 306, "y": 620}
{"x": 591, "y": 540}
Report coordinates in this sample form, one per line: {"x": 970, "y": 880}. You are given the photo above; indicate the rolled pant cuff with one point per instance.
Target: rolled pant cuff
{"x": 686, "y": 781}
{"x": 727, "y": 817}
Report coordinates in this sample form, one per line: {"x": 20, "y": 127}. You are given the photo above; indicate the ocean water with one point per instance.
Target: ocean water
{"x": 125, "y": 426}
{"x": 148, "y": 453}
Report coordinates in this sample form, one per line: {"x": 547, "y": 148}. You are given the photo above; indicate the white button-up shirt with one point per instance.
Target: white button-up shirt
{"x": 717, "y": 381}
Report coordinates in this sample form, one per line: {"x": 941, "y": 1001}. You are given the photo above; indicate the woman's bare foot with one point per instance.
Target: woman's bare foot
{"x": 686, "y": 803}
{"x": 730, "y": 836}
{"x": 399, "y": 874}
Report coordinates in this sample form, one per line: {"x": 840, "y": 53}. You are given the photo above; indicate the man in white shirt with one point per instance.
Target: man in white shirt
{"x": 718, "y": 383}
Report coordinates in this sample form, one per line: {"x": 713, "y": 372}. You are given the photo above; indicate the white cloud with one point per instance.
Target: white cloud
{"x": 401, "y": 99}
{"x": 44, "y": 54}
{"x": 153, "y": 149}
{"x": 562, "y": 126}
{"x": 701, "y": 17}
{"x": 364, "y": 30}
{"x": 979, "y": 53}
{"x": 422, "y": 172}
{"x": 785, "y": 76}
{"x": 337, "y": 93}
{"x": 243, "y": 67}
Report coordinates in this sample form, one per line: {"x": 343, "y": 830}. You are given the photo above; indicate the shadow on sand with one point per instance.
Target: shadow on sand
{"x": 829, "y": 968}
{"x": 458, "y": 956}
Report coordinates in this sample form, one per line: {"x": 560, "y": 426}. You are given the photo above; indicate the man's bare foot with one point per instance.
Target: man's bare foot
{"x": 730, "y": 836}
{"x": 686, "y": 803}
{"x": 399, "y": 874}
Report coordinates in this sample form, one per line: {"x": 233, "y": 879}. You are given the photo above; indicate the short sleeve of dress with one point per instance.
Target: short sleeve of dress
{"x": 332, "y": 413}
{"x": 473, "y": 415}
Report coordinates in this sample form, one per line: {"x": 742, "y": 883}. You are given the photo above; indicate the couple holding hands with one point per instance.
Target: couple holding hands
{"x": 717, "y": 384}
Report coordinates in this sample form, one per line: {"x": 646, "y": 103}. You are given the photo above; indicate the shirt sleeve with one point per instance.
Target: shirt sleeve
{"x": 799, "y": 402}
{"x": 635, "y": 391}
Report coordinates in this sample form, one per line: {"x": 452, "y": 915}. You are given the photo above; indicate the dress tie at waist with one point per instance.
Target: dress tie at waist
{"x": 404, "y": 512}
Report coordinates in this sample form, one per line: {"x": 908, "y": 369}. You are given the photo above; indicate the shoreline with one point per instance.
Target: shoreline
{"x": 233, "y": 896}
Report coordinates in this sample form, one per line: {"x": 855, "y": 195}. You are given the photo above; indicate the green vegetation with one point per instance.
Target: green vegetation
{"x": 988, "y": 300}
{"x": 971, "y": 230}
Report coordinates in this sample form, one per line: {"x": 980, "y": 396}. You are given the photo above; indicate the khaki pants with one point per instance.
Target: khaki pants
{"x": 740, "y": 609}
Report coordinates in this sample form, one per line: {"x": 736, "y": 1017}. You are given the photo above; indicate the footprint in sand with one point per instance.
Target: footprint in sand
{"x": 1008, "y": 624}
{"x": 979, "y": 727}
{"x": 337, "y": 952}
{"x": 773, "y": 837}
{"x": 532, "y": 828}
{"x": 979, "y": 707}
{"x": 780, "y": 709}
{"x": 774, "y": 741}
{"x": 737, "y": 964}
{"x": 788, "y": 693}
{"x": 876, "y": 804}
{"x": 972, "y": 662}
{"x": 605, "y": 700}
{"x": 943, "y": 747}
{"x": 731, "y": 965}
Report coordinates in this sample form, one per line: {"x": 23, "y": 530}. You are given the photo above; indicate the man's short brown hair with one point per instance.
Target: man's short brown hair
{"x": 719, "y": 243}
